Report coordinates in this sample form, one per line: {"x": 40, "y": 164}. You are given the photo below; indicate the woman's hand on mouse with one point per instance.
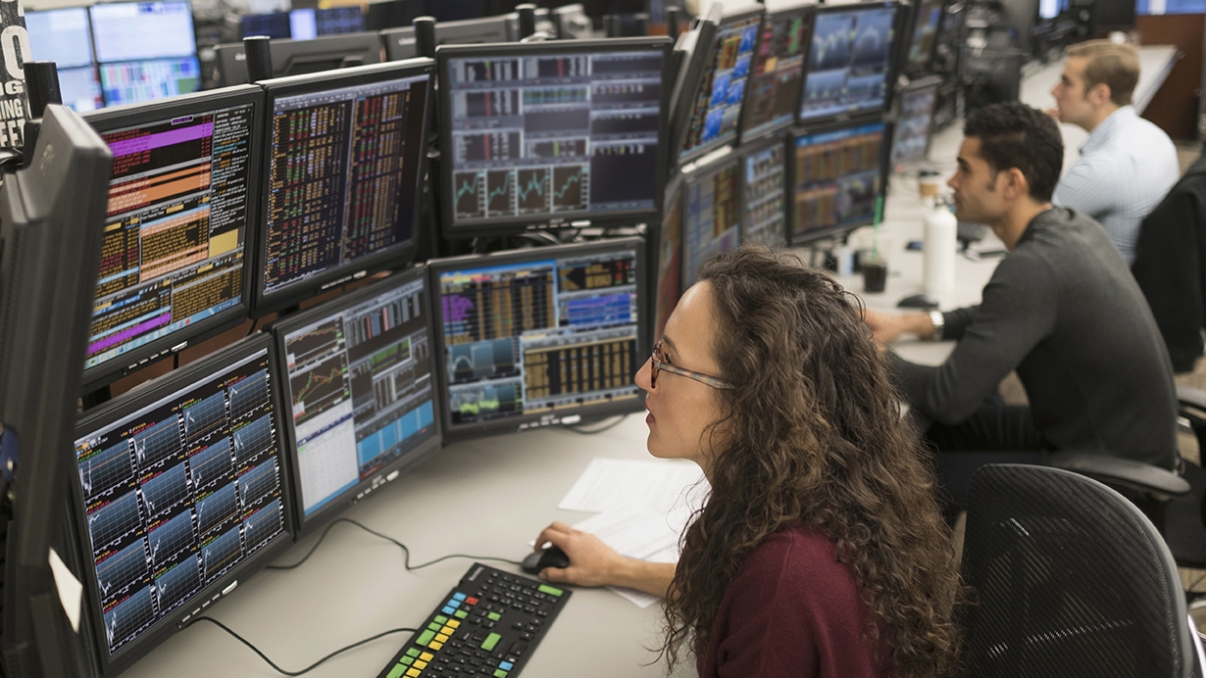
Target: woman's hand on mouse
{"x": 592, "y": 563}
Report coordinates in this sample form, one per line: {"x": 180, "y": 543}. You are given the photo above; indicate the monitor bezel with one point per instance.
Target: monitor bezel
{"x": 230, "y": 59}
{"x": 520, "y": 224}
{"x": 778, "y": 139}
{"x": 931, "y": 83}
{"x": 124, "y": 406}
{"x": 524, "y": 422}
{"x": 779, "y": 12}
{"x": 396, "y": 256}
{"x": 397, "y": 467}
{"x": 742, "y": 12}
{"x": 674, "y": 194}
{"x": 691, "y": 177}
{"x": 402, "y": 39}
{"x": 885, "y": 166}
{"x": 133, "y": 115}
{"x": 899, "y": 17}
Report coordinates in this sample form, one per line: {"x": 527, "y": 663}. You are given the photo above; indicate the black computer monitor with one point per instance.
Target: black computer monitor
{"x": 64, "y": 37}
{"x": 764, "y": 192}
{"x": 359, "y": 375}
{"x": 182, "y": 204}
{"x": 385, "y": 14}
{"x": 711, "y": 212}
{"x": 667, "y": 257}
{"x": 838, "y": 178}
{"x": 400, "y": 42}
{"x": 1114, "y": 15}
{"x": 180, "y": 493}
{"x": 538, "y": 337}
{"x": 299, "y": 57}
{"x": 691, "y": 55}
{"x": 274, "y": 25}
{"x": 309, "y": 23}
{"x": 48, "y": 264}
{"x": 924, "y": 35}
{"x": 342, "y": 177}
{"x": 146, "y": 50}
{"x": 914, "y": 121}
{"x": 551, "y": 135}
{"x": 712, "y": 110}
{"x": 850, "y": 66}
{"x": 778, "y": 71}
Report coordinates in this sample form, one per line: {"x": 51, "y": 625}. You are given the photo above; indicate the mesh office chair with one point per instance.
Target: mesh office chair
{"x": 1070, "y": 579}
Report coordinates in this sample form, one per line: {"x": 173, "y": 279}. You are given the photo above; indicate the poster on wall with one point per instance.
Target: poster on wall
{"x": 14, "y": 49}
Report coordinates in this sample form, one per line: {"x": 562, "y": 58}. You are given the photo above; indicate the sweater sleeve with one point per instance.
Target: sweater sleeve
{"x": 1017, "y": 312}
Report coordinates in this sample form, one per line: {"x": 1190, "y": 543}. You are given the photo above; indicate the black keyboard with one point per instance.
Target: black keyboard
{"x": 488, "y": 626}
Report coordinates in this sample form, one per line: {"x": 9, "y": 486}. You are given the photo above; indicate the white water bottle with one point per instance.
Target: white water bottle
{"x": 941, "y": 241}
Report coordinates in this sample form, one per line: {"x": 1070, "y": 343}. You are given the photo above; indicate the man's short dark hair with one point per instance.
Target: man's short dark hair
{"x": 1013, "y": 134}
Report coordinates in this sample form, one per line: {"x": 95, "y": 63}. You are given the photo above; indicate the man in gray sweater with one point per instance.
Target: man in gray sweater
{"x": 1062, "y": 309}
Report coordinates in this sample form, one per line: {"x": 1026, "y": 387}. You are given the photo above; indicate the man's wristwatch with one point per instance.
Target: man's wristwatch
{"x": 938, "y": 320}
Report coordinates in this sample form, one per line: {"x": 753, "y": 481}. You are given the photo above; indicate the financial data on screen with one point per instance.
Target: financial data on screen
{"x": 540, "y": 336}
{"x": 342, "y": 171}
{"x": 778, "y": 71}
{"x": 913, "y": 124}
{"x": 178, "y": 493}
{"x": 838, "y": 178}
{"x": 551, "y": 136}
{"x": 173, "y": 250}
{"x": 849, "y": 62}
{"x": 360, "y": 387}
{"x": 716, "y": 108}
{"x": 711, "y": 215}
{"x": 764, "y": 207}
{"x": 925, "y": 32}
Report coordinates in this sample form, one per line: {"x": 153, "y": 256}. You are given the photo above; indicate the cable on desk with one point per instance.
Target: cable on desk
{"x": 309, "y": 668}
{"x": 592, "y": 431}
{"x": 405, "y": 562}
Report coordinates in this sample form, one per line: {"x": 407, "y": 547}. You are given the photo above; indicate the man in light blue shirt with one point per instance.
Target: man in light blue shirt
{"x": 1128, "y": 164}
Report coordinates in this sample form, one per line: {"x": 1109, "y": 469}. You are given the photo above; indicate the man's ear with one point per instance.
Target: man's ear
{"x": 1016, "y": 185}
{"x": 1099, "y": 95}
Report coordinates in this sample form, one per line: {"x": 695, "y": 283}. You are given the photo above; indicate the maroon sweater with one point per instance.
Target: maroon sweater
{"x": 794, "y": 610}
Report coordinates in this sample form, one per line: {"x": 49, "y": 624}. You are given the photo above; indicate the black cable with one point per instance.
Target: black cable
{"x": 309, "y": 668}
{"x": 405, "y": 562}
{"x": 593, "y": 431}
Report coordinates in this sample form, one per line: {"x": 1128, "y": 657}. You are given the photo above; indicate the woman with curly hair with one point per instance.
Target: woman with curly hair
{"x": 821, "y": 550}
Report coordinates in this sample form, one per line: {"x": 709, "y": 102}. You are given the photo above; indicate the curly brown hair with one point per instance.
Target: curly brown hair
{"x": 812, "y": 433}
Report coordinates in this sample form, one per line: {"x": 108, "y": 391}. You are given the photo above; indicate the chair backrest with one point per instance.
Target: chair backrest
{"x": 1069, "y": 579}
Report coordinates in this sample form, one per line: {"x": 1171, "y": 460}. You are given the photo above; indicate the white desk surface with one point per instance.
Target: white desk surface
{"x": 489, "y": 497}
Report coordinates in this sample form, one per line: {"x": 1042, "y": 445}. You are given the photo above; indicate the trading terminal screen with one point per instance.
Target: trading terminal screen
{"x": 717, "y": 106}
{"x": 849, "y": 62}
{"x": 838, "y": 178}
{"x": 342, "y": 178}
{"x": 146, "y": 50}
{"x": 913, "y": 125}
{"x": 64, "y": 37}
{"x": 274, "y": 25}
{"x": 360, "y": 387}
{"x": 178, "y": 493}
{"x": 925, "y": 33}
{"x": 764, "y": 207}
{"x": 777, "y": 74}
{"x": 711, "y": 215}
{"x": 309, "y": 23}
{"x": 546, "y": 336}
{"x": 668, "y": 286}
{"x": 173, "y": 250}
{"x": 547, "y": 136}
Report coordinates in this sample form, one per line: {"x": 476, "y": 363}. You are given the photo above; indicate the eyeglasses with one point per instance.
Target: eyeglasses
{"x": 657, "y": 364}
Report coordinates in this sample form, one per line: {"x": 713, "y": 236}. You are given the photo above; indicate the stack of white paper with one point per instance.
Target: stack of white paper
{"x": 643, "y": 508}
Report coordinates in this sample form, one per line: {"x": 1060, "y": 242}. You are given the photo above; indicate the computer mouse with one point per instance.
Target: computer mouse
{"x": 550, "y": 557}
{"x": 918, "y": 301}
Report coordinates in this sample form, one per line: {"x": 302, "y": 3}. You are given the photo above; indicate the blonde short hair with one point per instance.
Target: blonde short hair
{"x": 1112, "y": 64}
